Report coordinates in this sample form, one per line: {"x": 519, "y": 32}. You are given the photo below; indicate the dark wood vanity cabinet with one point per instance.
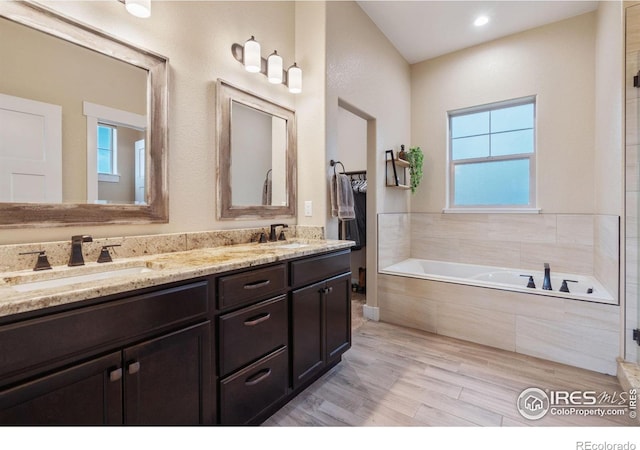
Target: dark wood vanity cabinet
{"x": 229, "y": 349}
{"x": 321, "y": 326}
{"x": 81, "y": 367}
{"x": 270, "y": 349}
{"x": 253, "y": 343}
{"x": 82, "y": 394}
{"x": 320, "y": 315}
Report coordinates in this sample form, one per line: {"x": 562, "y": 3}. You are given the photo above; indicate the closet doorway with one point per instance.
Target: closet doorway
{"x": 352, "y": 152}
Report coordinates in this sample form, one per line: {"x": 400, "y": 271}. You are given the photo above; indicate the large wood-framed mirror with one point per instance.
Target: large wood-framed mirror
{"x": 79, "y": 113}
{"x": 256, "y": 156}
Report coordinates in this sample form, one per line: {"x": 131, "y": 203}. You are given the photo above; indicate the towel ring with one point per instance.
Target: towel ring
{"x": 334, "y": 164}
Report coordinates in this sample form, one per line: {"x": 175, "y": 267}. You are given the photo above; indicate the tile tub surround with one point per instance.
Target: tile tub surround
{"x": 546, "y": 327}
{"x": 166, "y": 268}
{"x": 135, "y": 246}
{"x": 571, "y": 243}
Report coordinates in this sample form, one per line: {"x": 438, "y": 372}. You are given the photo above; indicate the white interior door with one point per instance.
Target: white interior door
{"x": 140, "y": 171}
{"x": 30, "y": 151}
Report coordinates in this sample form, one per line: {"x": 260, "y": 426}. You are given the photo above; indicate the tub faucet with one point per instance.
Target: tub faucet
{"x": 76, "y": 258}
{"x": 546, "y": 284}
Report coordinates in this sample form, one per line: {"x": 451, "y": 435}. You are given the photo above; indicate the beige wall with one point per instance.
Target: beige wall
{"x": 554, "y": 62}
{"x": 50, "y": 70}
{"x": 197, "y": 38}
{"x": 367, "y": 76}
{"x": 310, "y": 25}
{"x": 609, "y": 95}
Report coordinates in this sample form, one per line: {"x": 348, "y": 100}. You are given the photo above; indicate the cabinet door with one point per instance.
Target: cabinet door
{"x": 85, "y": 394}
{"x": 307, "y": 345}
{"x": 167, "y": 380}
{"x": 338, "y": 317}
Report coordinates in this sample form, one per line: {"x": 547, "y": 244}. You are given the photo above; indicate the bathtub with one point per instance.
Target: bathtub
{"x": 584, "y": 288}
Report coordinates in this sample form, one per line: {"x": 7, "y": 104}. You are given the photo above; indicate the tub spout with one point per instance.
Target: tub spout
{"x": 546, "y": 283}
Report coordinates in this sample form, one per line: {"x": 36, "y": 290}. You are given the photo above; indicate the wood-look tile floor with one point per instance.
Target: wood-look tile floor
{"x": 395, "y": 376}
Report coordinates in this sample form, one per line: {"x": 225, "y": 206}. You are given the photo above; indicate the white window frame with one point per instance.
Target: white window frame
{"x": 104, "y": 114}
{"x": 451, "y": 164}
{"x": 113, "y": 176}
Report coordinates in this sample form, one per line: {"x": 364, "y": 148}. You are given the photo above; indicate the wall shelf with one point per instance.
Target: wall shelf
{"x": 398, "y": 176}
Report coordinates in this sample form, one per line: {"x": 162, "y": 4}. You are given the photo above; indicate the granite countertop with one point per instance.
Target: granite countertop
{"x": 154, "y": 270}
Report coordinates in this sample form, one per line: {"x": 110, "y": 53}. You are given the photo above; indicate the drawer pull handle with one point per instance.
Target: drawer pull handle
{"x": 115, "y": 375}
{"x": 257, "y": 284}
{"x": 134, "y": 368}
{"x": 257, "y": 319}
{"x": 258, "y": 377}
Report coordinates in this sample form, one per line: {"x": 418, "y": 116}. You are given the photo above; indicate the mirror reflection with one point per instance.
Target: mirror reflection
{"x": 73, "y": 122}
{"x": 258, "y": 157}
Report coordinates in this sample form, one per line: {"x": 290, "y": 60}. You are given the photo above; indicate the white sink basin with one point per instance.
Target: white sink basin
{"x": 293, "y": 245}
{"x": 65, "y": 281}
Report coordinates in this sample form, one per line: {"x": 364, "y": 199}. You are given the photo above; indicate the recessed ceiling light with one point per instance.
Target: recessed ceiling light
{"x": 481, "y": 20}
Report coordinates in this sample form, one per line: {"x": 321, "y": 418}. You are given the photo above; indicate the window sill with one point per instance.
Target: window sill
{"x": 109, "y": 177}
{"x": 491, "y": 210}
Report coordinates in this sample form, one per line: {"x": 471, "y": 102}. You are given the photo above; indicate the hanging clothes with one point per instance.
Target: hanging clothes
{"x": 356, "y": 230}
{"x": 267, "y": 189}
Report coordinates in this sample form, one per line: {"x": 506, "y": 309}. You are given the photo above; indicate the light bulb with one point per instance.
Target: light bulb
{"x": 138, "y": 8}
{"x": 252, "y": 58}
{"x": 481, "y": 20}
{"x": 294, "y": 79}
{"x": 274, "y": 68}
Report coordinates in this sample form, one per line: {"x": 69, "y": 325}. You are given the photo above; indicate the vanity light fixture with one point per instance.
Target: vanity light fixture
{"x": 272, "y": 67}
{"x": 251, "y": 56}
{"x": 138, "y": 8}
{"x": 294, "y": 79}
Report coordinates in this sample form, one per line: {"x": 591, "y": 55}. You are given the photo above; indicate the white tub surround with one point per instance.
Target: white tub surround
{"x": 574, "y": 329}
{"x": 581, "y": 244}
{"x": 581, "y": 287}
{"x": 578, "y": 333}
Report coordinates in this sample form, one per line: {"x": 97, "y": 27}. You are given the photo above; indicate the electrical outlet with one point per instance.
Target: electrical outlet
{"x": 308, "y": 208}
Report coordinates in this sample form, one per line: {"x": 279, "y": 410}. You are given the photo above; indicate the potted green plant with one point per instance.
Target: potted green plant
{"x": 415, "y": 157}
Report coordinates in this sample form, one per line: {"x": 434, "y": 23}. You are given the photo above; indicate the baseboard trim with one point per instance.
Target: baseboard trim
{"x": 371, "y": 312}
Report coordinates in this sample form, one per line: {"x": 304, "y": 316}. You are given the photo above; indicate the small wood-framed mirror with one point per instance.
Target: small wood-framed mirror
{"x": 76, "y": 171}
{"x": 256, "y": 156}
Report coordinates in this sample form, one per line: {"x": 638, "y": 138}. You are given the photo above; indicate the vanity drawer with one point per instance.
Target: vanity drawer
{"x": 249, "y": 392}
{"x": 56, "y": 339}
{"x": 257, "y": 284}
{"x": 310, "y": 270}
{"x": 252, "y": 332}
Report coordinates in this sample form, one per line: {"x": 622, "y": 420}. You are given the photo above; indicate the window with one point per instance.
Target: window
{"x": 492, "y": 155}
{"x": 107, "y": 149}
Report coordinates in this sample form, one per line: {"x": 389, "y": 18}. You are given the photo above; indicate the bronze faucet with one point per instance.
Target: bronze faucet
{"x": 76, "y": 258}
{"x": 272, "y": 233}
